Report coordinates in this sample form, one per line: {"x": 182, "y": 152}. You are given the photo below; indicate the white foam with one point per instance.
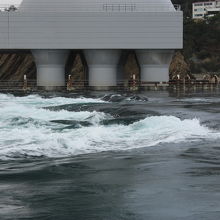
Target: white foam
{"x": 31, "y": 107}
{"x": 44, "y": 141}
{"x": 38, "y": 101}
{"x": 47, "y": 139}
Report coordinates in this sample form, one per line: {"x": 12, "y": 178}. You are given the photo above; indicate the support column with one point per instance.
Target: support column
{"x": 154, "y": 65}
{"x": 102, "y": 67}
{"x": 50, "y": 68}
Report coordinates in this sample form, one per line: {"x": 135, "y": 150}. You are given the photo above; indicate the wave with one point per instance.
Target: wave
{"x": 14, "y": 109}
{"x": 39, "y": 101}
{"x": 27, "y": 129}
{"x": 35, "y": 141}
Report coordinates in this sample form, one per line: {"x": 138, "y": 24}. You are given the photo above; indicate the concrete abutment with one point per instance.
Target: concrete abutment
{"x": 154, "y": 65}
{"x": 102, "y": 68}
{"x": 50, "y": 68}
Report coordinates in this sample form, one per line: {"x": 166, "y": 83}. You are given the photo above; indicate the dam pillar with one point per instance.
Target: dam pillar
{"x": 50, "y": 68}
{"x": 102, "y": 68}
{"x": 154, "y": 65}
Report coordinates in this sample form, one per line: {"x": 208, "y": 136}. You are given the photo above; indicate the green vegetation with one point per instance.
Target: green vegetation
{"x": 201, "y": 41}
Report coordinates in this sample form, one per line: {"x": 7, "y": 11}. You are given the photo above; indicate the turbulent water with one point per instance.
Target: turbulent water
{"x": 110, "y": 156}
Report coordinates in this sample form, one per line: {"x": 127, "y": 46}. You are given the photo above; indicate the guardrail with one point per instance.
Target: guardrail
{"x": 131, "y": 85}
{"x": 17, "y": 85}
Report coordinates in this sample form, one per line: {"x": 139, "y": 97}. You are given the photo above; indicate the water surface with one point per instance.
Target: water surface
{"x": 153, "y": 155}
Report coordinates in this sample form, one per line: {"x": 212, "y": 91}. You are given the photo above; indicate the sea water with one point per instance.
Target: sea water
{"x": 109, "y": 156}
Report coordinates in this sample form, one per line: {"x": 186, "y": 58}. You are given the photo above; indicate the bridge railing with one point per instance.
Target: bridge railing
{"x": 71, "y": 85}
{"x": 17, "y": 85}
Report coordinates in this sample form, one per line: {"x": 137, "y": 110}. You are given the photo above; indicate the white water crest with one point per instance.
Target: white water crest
{"x": 36, "y": 100}
{"x": 26, "y": 129}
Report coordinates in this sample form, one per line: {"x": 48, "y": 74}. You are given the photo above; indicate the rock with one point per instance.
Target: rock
{"x": 15, "y": 66}
{"x": 179, "y": 67}
{"x": 126, "y": 97}
{"x": 138, "y": 98}
{"x": 76, "y": 67}
{"x": 113, "y": 98}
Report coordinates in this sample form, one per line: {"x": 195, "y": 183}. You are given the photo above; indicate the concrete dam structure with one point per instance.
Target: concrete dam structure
{"x": 101, "y": 29}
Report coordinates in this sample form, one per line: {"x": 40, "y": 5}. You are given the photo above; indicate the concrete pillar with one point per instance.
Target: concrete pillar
{"x": 102, "y": 67}
{"x": 50, "y": 68}
{"x": 154, "y": 64}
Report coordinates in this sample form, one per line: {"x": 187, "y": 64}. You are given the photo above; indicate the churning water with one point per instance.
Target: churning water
{"x": 29, "y": 128}
{"x": 73, "y": 138}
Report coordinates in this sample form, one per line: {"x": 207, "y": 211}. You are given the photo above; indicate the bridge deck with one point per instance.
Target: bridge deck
{"x": 91, "y": 30}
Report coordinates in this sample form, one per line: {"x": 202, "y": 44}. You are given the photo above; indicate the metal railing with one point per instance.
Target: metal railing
{"x": 17, "y": 85}
{"x": 119, "y": 7}
{"x": 131, "y": 85}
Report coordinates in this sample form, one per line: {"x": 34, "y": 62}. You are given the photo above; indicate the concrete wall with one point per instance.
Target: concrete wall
{"x": 102, "y": 66}
{"x": 4, "y": 30}
{"x": 50, "y": 67}
{"x": 154, "y": 65}
{"x": 96, "y": 5}
{"x": 91, "y": 30}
